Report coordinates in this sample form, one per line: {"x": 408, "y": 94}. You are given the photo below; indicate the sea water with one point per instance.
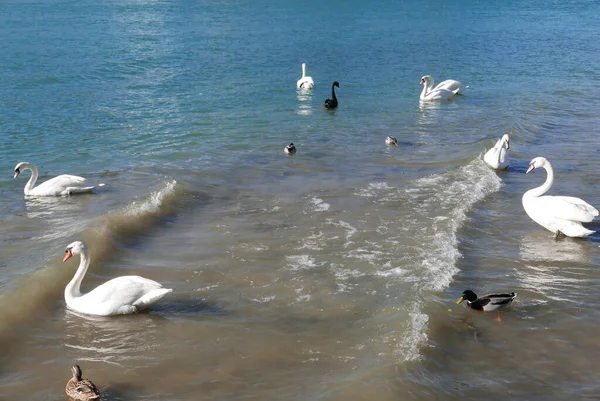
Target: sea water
{"x": 330, "y": 274}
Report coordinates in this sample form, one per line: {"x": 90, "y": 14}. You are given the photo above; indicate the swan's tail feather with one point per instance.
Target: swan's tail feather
{"x": 151, "y": 297}
{"x": 576, "y": 230}
{"x": 77, "y": 190}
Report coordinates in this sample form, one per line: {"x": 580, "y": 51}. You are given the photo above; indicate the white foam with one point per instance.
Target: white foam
{"x": 312, "y": 242}
{"x": 154, "y": 201}
{"x": 441, "y": 203}
{"x": 446, "y": 198}
{"x": 373, "y": 189}
{"x": 259, "y": 247}
{"x": 300, "y": 262}
{"x": 414, "y": 336}
{"x": 263, "y": 300}
{"x": 350, "y": 230}
{"x": 303, "y": 298}
{"x": 319, "y": 205}
{"x": 367, "y": 255}
{"x": 397, "y": 272}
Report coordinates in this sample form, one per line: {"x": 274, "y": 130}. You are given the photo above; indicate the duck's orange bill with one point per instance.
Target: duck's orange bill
{"x": 459, "y": 301}
{"x": 68, "y": 255}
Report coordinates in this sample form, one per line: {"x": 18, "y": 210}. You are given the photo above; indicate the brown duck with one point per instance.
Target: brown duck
{"x": 80, "y": 389}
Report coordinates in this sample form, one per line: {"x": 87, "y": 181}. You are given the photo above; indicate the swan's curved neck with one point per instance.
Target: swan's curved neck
{"x": 32, "y": 179}
{"x": 499, "y": 155}
{"x": 542, "y": 189}
{"x": 427, "y": 85}
{"x": 499, "y": 146}
{"x": 303, "y": 70}
{"x": 333, "y": 92}
{"x": 72, "y": 290}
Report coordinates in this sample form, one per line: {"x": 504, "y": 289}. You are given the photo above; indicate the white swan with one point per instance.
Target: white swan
{"x": 62, "y": 185}
{"x": 443, "y": 91}
{"x": 305, "y": 82}
{"x": 498, "y": 157}
{"x": 119, "y": 296}
{"x": 559, "y": 214}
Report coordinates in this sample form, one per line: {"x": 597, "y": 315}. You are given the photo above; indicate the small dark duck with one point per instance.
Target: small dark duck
{"x": 333, "y": 102}
{"x": 80, "y": 389}
{"x": 390, "y": 140}
{"x": 487, "y": 303}
{"x": 290, "y": 149}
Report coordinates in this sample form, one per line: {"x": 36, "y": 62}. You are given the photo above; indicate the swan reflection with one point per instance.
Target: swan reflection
{"x": 543, "y": 246}
{"x": 555, "y": 267}
{"x": 42, "y": 206}
{"x": 304, "y": 97}
{"x": 113, "y": 340}
{"x": 429, "y": 113}
{"x": 61, "y": 216}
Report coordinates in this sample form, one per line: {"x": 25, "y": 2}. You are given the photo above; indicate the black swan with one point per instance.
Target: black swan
{"x": 332, "y": 103}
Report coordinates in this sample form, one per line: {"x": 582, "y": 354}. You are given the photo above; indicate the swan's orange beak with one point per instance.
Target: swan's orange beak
{"x": 422, "y": 81}
{"x": 68, "y": 255}
{"x": 17, "y": 172}
{"x": 531, "y": 167}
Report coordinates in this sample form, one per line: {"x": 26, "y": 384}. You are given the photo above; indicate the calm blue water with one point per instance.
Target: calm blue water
{"x": 329, "y": 274}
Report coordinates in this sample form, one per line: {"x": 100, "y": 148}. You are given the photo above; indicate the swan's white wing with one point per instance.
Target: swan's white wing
{"x": 449, "y": 84}
{"x": 124, "y": 290}
{"x": 56, "y": 185}
{"x": 76, "y": 190}
{"x": 491, "y": 157}
{"x": 567, "y": 208}
{"x": 65, "y": 180}
{"x": 305, "y": 83}
{"x": 438, "y": 94}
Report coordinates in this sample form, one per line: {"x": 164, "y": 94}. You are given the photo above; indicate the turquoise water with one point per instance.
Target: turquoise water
{"x": 331, "y": 273}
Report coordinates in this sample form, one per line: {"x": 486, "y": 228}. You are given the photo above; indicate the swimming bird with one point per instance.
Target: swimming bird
{"x": 559, "y": 214}
{"x": 390, "y": 140}
{"x": 443, "y": 91}
{"x": 497, "y": 157}
{"x": 305, "y": 82}
{"x": 61, "y": 185}
{"x": 80, "y": 389}
{"x": 333, "y": 102}
{"x": 487, "y": 303}
{"x": 290, "y": 149}
{"x": 119, "y": 296}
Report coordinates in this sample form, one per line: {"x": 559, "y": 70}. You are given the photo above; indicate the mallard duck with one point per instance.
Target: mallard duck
{"x": 390, "y": 140}
{"x": 290, "y": 149}
{"x": 487, "y": 303}
{"x": 80, "y": 389}
{"x": 333, "y": 102}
